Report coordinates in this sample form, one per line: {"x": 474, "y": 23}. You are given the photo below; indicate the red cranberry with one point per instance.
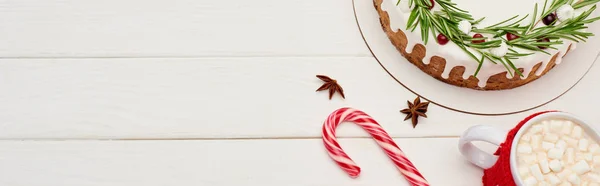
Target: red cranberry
{"x": 442, "y": 39}
{"x": 543, "y": 40}
{"x": 510, "y": 36}
{"x": 549, "y": 19}
{"x": 432, "y": 4}
{"x": 478, "y": 41}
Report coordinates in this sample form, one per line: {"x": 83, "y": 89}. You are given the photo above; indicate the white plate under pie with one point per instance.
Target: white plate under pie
{"x": 537, "y": 93}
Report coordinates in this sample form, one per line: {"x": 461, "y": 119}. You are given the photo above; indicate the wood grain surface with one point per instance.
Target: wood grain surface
{"x": 209, "y": 93}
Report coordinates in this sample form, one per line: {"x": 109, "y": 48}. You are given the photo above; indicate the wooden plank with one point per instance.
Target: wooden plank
{"x": 229, "y": 162}
{"x": 219, "y": 98}
{"x": 165, "y": 28}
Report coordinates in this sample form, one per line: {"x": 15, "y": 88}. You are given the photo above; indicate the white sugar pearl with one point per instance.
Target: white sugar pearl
{"x": 553, "y": 179}
{"x": 574, "y": 179}
{"x": 551, "y": 138}
{"x": 548, "y": 145}
{"x": 565, "y": 12}
{"x": 500, "y": 51}
{"x": 583, "y": 144}
{"x": 567, "y": 127}
{"x": 535, "y": 141}
{"x": 570, "y": 155}
{"x": 556, "y": 153}
{"x": 524, "y": 148}
{"x": 465, "y": 26}
{"x": 581, "y": 167}
{"x": 544, "y": 166}
{"x": 593, "y": 148}
{"x": 530, "y": 181}
{"x": 594, "y": 177}
{"x": 577, "y": 132}
{"x": 536, "y": 172}
{"x": 555, "y": 165}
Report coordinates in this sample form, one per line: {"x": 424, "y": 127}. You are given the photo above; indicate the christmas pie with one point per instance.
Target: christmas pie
{"x": 486, "y": 45}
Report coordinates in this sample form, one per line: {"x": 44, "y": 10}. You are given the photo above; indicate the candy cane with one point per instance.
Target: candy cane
{"x": 381, "y": 137}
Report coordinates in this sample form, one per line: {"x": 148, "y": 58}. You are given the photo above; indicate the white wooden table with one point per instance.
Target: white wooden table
{"x": 199, "y": 92}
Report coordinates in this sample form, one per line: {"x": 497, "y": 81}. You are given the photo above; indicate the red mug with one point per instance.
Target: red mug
{"x": 500, "y": 168}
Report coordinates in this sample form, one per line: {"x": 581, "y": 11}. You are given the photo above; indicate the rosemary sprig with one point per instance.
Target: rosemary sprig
{"x": 445, "y": 21}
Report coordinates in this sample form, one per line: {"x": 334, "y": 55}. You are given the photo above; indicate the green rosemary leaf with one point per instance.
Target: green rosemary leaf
{"x": 587, "y": 21}
{"x": 512, "y": 65}
{"x": 398, "y": 3}
{"x": 503, "y": 22}
{"x": 507, "y": 68}
{"x": 544, "y": 9}
{"x": 478, "y": 67}
{"x": 581, "y": 4}
{"x": 533, "y": 20}
{"x": 412, "y": 18}
{"x": 477, "y": 21}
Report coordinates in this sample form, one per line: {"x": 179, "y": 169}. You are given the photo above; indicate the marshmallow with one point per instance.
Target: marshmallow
{"x": 570, "y": 155}
{"x": 526, "y": 137}
{"x": 542, "y": 155}
{"x": 577, "y": 132}
{"x": 567, "y": 127}
{"x": 535, "y": 141}
{"x": 583, "y": 145}
{"x": 529, "y": 159}
{"x": 536, "y": 172}
{"x": 543, "y": 183}
{"x": 545, "y": 125}
{"x": 556, "y": 153}
{"x": 581, "y": 167}
{"x": 562, "y": 144}
{"x": 588, "y": 156}
{"x": 555, "y": 165}
{"x": 553, "y": 179}
{"x": 574, "y": 179}
{"x": 548, "y": 145}
{"x": 594, "y": 177}
{"x": 563, "y": 175}
{"x": 596, "y": 159}
{"x": 536, "y": 129}
{"x": 523, "y": 171}
{"x": 570, "y": 141}
{"x": 551, "y": 138}
{"x": 544, "y": 166}
{"x": 530, "y": 181}
{"x": 556, "y": 126}
{"x": 593, "y": 148}
{"x": 565, "y": 184}
{"x": 524, "y": 148}
{"x": 594, "y": 184}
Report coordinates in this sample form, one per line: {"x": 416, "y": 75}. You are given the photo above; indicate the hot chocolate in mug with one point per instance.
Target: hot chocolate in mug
{"x": 546, "y": 148}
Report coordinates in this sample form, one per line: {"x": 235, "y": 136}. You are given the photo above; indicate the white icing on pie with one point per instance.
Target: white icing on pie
{"x": 494, "y": 11}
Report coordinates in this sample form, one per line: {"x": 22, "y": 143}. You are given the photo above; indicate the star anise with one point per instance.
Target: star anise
{"x": 415, "y": 110}
{"x": 332, "y": 85}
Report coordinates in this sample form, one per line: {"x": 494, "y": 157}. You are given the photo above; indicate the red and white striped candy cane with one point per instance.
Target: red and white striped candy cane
{"x": 381, "y": 137}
